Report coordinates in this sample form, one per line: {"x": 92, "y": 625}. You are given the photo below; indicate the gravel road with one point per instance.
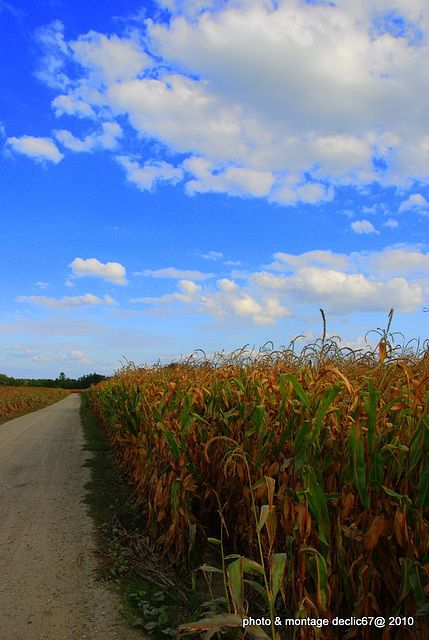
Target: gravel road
{"x": 48, "y": 586}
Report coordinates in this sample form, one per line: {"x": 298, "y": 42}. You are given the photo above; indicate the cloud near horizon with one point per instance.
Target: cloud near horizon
{"x": 67, "y": 303}
{"x": 172, "y": 272}
{"x": 340, "y": 283}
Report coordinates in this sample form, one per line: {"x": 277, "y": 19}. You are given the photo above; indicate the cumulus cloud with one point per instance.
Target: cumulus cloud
{"x": 72, "y": 106}
{"x": 323, "y": 258}
{"x": 226, "y": 300}
{"x": 40, "y": 149}
{"x": 233, "y": 180}
{"x": 106, "y": 139}
{"x": 111, "y": 271}
{"x": 341, "y": 293}
{"x": 286, "y": 100}
{"x": 109, "y": 58}
{"x": 68, "y": 302}
{"x": 339, "y": 283}
{"x": 150, "y": 173}
{"x": 363, "y": 226}
{"x": 401, "y": 262}
{"x": 416, "y": 202}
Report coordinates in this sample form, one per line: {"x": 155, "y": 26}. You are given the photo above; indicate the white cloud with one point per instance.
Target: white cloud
{"x": 109, "y": 58}
{"x": 339, "y": 283}
{"x": 107, "y": 139}
{"x": 341, "y": 293}
{"x": 172, "y": 272}
{"x": 415, "y": 202}
{"x": 68, "y": 302}
{"x": 363, "y": 226}
{"x": 40, "y": 149}
{"x": 290, "y": 262}
{"x": 188, "y": 293}
{"x": 227, "y": 300}
{"x": 233, "y": 180}
{"x": 68, "y": 140}
{"x": 152, "y": 172}
{"x": 55, "y": 53}
{"x": 285, "y": 100}
{"x": 212, "y": 255}
{"x": 79, "y": 356}
{"x": 71, "y": 106}
{"x": 401, "y": 262}
{"x": 73, "y": 356}
{"x": 392, "y": 223}
{"x": 111, "y": 271}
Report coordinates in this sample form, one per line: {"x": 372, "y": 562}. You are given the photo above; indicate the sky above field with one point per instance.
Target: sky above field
{"x": 205, "y": 174}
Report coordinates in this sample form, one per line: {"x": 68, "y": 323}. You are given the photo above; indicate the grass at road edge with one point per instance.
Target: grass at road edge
{"x": 152, "y": 597}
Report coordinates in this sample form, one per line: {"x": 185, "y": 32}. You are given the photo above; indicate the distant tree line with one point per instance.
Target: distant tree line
{"x": 62, "y": 382}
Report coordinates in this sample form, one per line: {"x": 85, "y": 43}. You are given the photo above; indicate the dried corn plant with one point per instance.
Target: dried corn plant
{"x": 15, "y": 401}
{"x": 317, "y": 469}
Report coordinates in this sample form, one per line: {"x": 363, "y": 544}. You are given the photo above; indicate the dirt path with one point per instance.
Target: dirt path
{"x": 48, "y": 588}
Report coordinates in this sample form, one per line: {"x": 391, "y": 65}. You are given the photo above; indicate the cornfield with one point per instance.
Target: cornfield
{"x": 15, "y": 401}
{"x": 309, "y": 474}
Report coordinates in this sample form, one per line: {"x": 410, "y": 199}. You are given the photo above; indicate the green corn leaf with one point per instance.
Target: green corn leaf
{"x": 376, "y": 473}
{"x": 209, "y": 569}
{"x": 371, "y": 408}
{"x": 323, "y": 407}
{"x": 265, "y": 511}
{"x": 405, "y": 581}
{"x": 259, "y": 588}
{"x": 423, "y": 490}
{"x": 417, "y": 578}
{"x": 174, "y": 497}
{"x": 186, "y": 409}
{"x": 319, "y": 508}
{"x": 393, "y": 494}
{"x": 359, "y": 472}
{"x": 260, "y": 415}
{"x": 299, "y": 390}
{"x": 282, "y": 386}
{"x": 250, "y": 566}
{"x": 171, "y": 441}
{"x": 416, "y": 449}
{"x": 235, "y": 583}
{"x": 301, "y": 436}
{"x": 318, "y": 570}
{"x": 277, "y": 569}
{"x": 360, "y": 476}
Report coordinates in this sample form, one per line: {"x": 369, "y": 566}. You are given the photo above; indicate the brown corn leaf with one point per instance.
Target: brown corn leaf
{"x": 377, "y": 528}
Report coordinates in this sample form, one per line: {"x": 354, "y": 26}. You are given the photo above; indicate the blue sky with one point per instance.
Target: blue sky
{"x": 190, "y": 174}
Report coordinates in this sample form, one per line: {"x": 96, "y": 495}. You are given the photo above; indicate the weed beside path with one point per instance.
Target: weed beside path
{"x": 154, "y": 599}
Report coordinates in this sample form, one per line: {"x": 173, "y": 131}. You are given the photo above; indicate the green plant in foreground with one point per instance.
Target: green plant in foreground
{"x": 237, "y": 573}
{"x": 154, "y": 613}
